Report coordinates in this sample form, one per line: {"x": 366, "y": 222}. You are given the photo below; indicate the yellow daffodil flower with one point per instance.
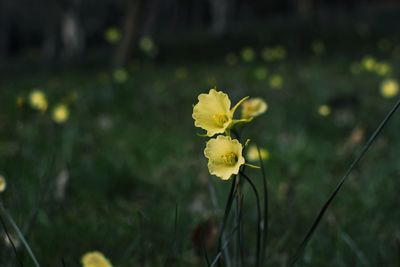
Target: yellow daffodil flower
{"x": 368, "y": 63}
{"x": 252, "y": 153}
{"x": 3, "y": 184}
{"x": 389, "y": 88}
{"x": 95, "y": 259}
{"x": 213, "y": 112}
{"x": 224, "y": 156}
{"x": 253, "y": 107}
{"x": 324, "y": 110}
{"x": 38, "y": 100}
{"x": 60, "y": 113}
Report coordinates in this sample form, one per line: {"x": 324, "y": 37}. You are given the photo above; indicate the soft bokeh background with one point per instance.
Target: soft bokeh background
{"x": 99, "y": 150}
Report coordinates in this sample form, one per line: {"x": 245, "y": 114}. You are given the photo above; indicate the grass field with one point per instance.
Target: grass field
{"x": 110, "y": 177}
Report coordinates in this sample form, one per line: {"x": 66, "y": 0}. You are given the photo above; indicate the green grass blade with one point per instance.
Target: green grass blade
{"x": 11, "y": 241}
{"x": 360, "y": 156}
{"x": 20, "y": 235}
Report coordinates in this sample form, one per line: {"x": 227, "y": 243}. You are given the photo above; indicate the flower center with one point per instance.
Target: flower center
{"x": 220, "y": 119}
{"x": 230, "y": 158}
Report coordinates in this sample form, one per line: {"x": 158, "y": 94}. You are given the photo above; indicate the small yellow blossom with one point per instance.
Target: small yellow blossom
{"x": 3, "y": 184}
{"x": 38, "y": 100}
{"x": 253, "y": 107}
{"x": 213, "y": 112}
{"x": 224, "y": 156}
{"x": 95, "y": 259}
{"x": 146, "y": 44}
{"x": 120, "y": 75}
{"x": 60, "y": 113}
{"x": 112, "y": 35}
{"x": 382, "y": 69}
{"x": 324, "y": 110}
{"x": 276, "y": 81}
{"x": 389, "y": 88}
{"x": 252, "y": 153}
{"x": 248, "y": 54}
{"x": 368, "y": 63}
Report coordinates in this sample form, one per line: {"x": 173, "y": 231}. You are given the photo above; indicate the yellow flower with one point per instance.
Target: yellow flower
{"x": 224, "y": 156}
{"x": 3, "y": 184}
{"x": 213, "y": 112}
{"x": 252, "y": 153}
{"x": 276, "y": 81}
{"x": 248, "y": 54}
{"x": 253, "y": 107}
{"x": 389, "y": 88}
{"x": 368, "y": 63}
{"x": 382, "y": 68}
{"x": 95, "y": 259}
{"x": 324, "y": 110}
{"x": 60, "y": 113}
{"x": 112, "y": 35}
{"x": 38, "y": 100}
{"x": 120, "y": 75}
{"x": 146, "y": 44}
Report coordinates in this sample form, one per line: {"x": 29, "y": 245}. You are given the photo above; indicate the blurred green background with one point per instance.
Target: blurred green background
{"x": 98, "y": 146}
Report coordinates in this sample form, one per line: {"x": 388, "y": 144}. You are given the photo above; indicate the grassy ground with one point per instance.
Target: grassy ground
{"x": 131, "y": 155}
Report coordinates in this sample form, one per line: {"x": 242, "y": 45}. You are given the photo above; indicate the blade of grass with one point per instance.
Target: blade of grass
{"x": 264, "y": 228}
{"x": 226, "y": 215}
{"x": 173, "y": 246}
{"x": 11, "y": 241}
{"x": 20, "y": 235}
{"x": 360, "y": 156}
{"x": 258, "y": 216}
{"x": 219, "y": 254}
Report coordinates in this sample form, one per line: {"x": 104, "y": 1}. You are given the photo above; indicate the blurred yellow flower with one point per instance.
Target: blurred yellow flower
{"x": 120, "y": 75}
{"x": 38, "y": 100}
{"x": 252, "y": 153}
{"x": 213, "y": 114}
{"x": 224, "y": 156}
{"x": 112, "y": 35}
{"x": 276, "y": 81}
{"x": 253, "y": 107}
{"x": 60, "y": 113}
{"x": 324, "y": 110}
{"x": 146, "y": 44}
{"x": 389, "y": 88}
{"x": 248, "y": 54}
{"x": 3, "y": 184}
{"x": 95, "y": 259}
{"x": 382, "y": 69}
{"x": 318, "y": 47}
{"x": 368, "y": 63}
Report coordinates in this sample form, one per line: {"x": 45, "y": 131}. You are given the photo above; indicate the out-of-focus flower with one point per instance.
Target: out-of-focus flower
{"x": 213, "y": 113}
{"x": 276, "y": 81}
{"x": 38, "y": 100}
{"x": 146, "y": 44}
{"x": 260, "y": 73}
{"x": 368, "y": 63}
{"x": 112, "y": 35}
{"x": 324, "y": 110}
{"x": 60, "y": 113}
{"x": 318, "y": 47}
{"x": 389, "y": 88}
{"x": 252, "y": 154}
{"x": 224, "y": 156}
{"x": 248, "y": 54}
{"x": 95, "y": 259}
{"x": 382, "y": 69}
{"x": 253, "y": 107}
{"x": 120, "y": 75}
{"x": 3, "y": 184}
{"x": 231, "y": 59}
